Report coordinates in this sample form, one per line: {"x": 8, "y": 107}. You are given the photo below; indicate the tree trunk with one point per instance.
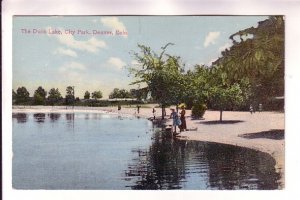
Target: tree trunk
{"x": 221, "y": 112}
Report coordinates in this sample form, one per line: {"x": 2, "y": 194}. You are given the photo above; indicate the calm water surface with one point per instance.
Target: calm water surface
{"x": 101, "y": 151}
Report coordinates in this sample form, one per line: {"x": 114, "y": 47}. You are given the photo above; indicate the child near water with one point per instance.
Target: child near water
{"x": 176, "y": 120}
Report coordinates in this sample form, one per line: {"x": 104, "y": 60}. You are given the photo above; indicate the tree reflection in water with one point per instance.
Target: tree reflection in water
{"x": 160, "y": 167}
{"x": 70, "y": 120}
{"x": 54, "y": 116}
{"x": 171, "y": 164}
{"x": 240, "y": 168}
{"x": 39, "y": 117}
{"x": 21, "y": 117}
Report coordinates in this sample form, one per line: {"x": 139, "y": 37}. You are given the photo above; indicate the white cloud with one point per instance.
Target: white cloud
{"x": 211, "y": 38}
{"x": 116, "y": 62}
{"x": 225, "y": 46}
{"x": 72, "y": 72}
{"x": 72, "y": 66}
{"x": 113, "y": 23}
{"x": 67, "y": 52}
{"x": 92, "y": 45}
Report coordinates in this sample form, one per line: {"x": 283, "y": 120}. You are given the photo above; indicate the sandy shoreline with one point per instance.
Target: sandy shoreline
{"x": 231, "y": 131}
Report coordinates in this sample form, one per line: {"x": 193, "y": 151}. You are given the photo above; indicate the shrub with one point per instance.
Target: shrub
{"x": 198, "y": 110}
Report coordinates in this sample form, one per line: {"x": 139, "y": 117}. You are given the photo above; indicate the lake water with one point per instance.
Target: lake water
{"x": 102, "y": 151}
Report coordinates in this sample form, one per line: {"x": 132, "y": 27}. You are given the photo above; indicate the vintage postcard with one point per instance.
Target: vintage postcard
{"x": 95, "y": 97}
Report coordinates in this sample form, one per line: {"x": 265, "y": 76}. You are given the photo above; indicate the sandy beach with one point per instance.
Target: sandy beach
{"x": 262, "y": 131}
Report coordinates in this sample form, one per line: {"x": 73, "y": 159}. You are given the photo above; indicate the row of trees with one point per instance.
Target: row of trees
{"x": 41, "y": 97}
{"x": 22, "y": 96}
{"x": 250, "y": 72}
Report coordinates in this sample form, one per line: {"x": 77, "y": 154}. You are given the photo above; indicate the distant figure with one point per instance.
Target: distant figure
{"x": 154, "y": 112}
{"x": 182, "y": 119}
{"x": 176, "y": 120}
{"x": 251, "y": 109}
{"x": 119, "y": 107}
{"x": 260, "y": 107}
{"x": 138, "y": 109}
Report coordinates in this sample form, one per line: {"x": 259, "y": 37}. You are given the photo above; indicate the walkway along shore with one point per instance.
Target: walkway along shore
{"x": 262, "y": 131}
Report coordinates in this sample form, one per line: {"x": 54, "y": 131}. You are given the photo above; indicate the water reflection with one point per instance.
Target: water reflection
{"x": 70, "y": 116}
{"x": 240, "y": 168}
{"x": 39, "y": 117}
{"x": 54, "y": 116}
{"x": 162, "y": 167}
{"x": 96, "y": 116}
{"x": 145, "y": 159}
{"x": 70, "y": 120}
{"x": 21, "y": 117}
{"x": 172, "y": 164}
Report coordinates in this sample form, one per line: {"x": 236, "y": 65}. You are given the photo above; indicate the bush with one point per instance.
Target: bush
{"x": 198, "y": 110}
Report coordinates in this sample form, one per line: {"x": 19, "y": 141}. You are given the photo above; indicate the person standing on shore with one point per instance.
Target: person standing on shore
{"x": 176, "y": 120}
{"x": 251, "y": 109}
{"x": 182, "y": 119}
{"x": 154, "y": 112}
{"x": 260, "y": 107}
{"x": 138, "y": 109}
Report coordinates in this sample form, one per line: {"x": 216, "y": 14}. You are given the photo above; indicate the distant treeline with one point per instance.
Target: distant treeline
{"x": 41, "y": 97}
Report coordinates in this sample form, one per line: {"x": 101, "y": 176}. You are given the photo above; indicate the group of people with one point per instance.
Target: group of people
{"x": 252, "y": 110}
{"x": 178, "y": 120}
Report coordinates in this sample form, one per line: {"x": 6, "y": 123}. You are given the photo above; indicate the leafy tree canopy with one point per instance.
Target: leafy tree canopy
{"x": 257, "y": 54}
{"x": 54, "y": 96}
{"x": 120, "y": 93}
{"x": 22, "y": 95}
{"x": 87, "y": 95}
{"x": 97, "y": 95}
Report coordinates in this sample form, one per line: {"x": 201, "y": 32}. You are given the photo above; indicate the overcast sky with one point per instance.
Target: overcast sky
{"x": 58, "y": 51}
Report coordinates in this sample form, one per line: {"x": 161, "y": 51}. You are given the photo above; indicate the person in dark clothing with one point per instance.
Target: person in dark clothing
{"x": 138, "y": 109}
{"x": 154, "y": 112}
{"x": 182, "y": 127}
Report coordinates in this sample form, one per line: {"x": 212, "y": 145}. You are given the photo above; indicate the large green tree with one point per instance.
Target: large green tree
{"x": 139, "y": 94}
{"x": 258, "y": 55}
{"x": 39, "y": 96}
{"x": 54, "y": 96}
{"x": 87, "y": 95}
{"x": 195, "y": 85}
{"x": 120, "y": 93}
{"x": 223, "y": 95}
{"x": 22, "y": 95}
{"x": 97, "y": 95}
{"x": 160, "y": 72}
{"x": 70, "y": 98}
{"x": 226, "y": 97}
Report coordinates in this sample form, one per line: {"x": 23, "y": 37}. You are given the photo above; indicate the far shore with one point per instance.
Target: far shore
{"x": 262, "y": 131}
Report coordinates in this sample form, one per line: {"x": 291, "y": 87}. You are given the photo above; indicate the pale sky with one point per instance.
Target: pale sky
{"x": 83, "y": 58}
